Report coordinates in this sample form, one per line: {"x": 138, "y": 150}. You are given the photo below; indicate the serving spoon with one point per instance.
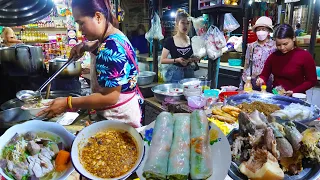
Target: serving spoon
{"x": 29, "y": 96}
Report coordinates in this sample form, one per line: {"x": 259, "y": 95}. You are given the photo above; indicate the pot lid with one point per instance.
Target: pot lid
{"x": 17, "y": 12}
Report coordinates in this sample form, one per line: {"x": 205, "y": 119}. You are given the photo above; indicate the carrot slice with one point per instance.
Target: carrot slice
{"x": 62, "y": 158}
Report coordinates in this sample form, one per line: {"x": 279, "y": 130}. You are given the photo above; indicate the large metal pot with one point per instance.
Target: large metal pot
{"x": 73, "y": 70}
{"x": 22, "y": 60}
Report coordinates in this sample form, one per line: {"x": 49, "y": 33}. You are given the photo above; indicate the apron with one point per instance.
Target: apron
{"x": 127, "y": 109}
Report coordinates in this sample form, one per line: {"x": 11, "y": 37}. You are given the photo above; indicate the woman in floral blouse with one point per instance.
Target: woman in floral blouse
{"x": 114, "y": 69}
{"x": 258, "y": 52}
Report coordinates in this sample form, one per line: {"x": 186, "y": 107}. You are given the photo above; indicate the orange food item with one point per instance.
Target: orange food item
{"x": 62, "y": 159}
{"x": 61, "y": 168}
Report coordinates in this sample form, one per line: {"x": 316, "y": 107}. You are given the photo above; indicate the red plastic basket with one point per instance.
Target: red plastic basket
{"x": 227, "y": 94}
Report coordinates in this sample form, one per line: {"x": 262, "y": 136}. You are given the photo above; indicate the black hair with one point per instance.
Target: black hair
{"x": 284, "y": 31}
{"x": 90, "y": 7}
{"x": 298, "y": 25}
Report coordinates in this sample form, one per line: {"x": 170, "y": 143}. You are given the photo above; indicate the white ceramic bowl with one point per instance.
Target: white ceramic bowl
{"x": 82, "y": 139}
{"x": 38, "y": 126}
{"x": 35, "y": 111}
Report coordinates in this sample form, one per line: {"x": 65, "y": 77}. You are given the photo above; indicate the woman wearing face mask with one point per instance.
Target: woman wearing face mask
{"x": 179, "y": 47}
{"x": 258, "y": 52}
{"x": 293, "y": 68}
{"x": 114, "y": 66}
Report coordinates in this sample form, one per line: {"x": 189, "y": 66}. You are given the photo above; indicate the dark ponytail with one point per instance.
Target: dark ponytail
{"x": 90, "y": 7}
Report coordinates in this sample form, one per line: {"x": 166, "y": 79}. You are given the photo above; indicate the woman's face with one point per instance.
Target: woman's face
{"x": 184, "y": 25}
{"x": 91, "y": 27}
{"x": 285, "y": 45}
{"x": 262, "y": 33}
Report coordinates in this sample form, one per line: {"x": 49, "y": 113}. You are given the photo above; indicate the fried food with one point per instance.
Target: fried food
{"x": 224, "y": 119}
{"x": 109, "y": 154}
{"x": 265, "y": 108}
{"x": 228, "y": 109}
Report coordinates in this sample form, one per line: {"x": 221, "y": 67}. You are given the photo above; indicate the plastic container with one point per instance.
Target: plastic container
{"x": 205, "y": 84}
{"x": 248, "y": 85}
{"x": 228, "y": 88}
{"x": 196, "y": 102}
{"x": 318, "y": 71}
{"x": 234, "y": 62}
{"x": 300, "y": 96}
{"x": 227, "y": 94}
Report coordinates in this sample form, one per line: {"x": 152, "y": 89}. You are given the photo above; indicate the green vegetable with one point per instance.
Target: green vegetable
{"x": 7, "y": 150}
{"x": 25, "y": 177}
{"x": 9, "y": 173}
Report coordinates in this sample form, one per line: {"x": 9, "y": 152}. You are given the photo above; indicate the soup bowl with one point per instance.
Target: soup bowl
{"x": 82, "y": 139}
{"x": 36, "y": 126}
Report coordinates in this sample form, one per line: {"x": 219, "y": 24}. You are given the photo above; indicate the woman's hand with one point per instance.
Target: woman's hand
{"x": 182, "y": 61}
{"x": 260, "y": 82}
{"x": 288, "y": 93}
{"x": 194, "y": 59}
{"x": 78, "y": 50}
{"x": 56, "y": 107}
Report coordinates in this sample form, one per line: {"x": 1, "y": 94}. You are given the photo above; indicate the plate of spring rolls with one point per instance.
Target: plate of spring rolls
{"x": 184, "y": 146}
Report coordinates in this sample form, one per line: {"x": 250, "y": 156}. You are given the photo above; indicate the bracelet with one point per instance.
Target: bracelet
{"x": 69, "y": 102}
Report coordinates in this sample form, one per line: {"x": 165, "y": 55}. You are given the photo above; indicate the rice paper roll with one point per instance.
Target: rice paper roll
{"x": 179, "y": 159}
{"x": 156, "y": 166}
{"x": 201, "y": 159}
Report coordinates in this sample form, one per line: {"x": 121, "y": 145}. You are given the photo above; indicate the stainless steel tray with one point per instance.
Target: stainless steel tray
{"x": 310, "y": 171}
{"x": 281, "y": 101}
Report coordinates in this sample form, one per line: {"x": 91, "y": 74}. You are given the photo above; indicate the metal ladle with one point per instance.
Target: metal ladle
{"x": 35, "y": 96}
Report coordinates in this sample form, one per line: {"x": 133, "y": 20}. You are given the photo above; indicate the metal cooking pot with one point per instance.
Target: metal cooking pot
{"x": 22, "y": 60}
{"x": 73, "y": 70}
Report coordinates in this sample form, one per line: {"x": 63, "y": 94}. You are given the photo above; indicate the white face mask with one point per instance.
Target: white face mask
{"x": 262, "y": 35}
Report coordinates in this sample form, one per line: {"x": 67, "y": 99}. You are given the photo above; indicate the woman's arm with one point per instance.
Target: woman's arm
{"x": 165, "y": 60}
{"x": 266, "y": 72}
{"x": 310, "y": 75}
{"x": 108, "y": 97}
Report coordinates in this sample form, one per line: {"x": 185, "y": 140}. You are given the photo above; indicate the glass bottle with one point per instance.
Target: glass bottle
{"x": 263, "y": 89}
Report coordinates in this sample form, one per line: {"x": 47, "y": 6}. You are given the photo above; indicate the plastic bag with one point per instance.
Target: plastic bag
{"x": 236, "y": 43}
{"x": 214, "y": 41}
{"x": 216, "y": 38}
{"x": 199, "y": 25}
{"x": 155, "y": 31}
{"x": 198, "y": 46}
{"x": 230, "y": 23}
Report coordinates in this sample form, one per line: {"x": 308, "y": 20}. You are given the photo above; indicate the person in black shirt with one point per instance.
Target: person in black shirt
{"x": 179, "y": 47}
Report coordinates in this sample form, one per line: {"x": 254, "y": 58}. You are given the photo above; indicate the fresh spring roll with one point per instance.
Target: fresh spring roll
{"x": 156, "y": 165}
{"x": 179, "y": 159}
{"x": 201, "y": 159}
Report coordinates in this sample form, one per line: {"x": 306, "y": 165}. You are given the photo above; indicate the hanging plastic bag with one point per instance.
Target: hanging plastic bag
{"x": 155, "y": 31}
{"x": 230, "y": 23}
{"x": 198, "y": 46}
{"x": 214, "y": 41}
{"x": 236, "y": 43}
{"x": 200, "y": 25}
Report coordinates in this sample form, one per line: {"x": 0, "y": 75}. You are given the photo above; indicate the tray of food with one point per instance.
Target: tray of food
{"x": 263, "y": 148}
{"x": 284, "y": 107}
{"x": 184, "y": 146}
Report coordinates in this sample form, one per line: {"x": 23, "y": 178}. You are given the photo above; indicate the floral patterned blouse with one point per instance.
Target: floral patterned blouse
{"x": 260, "y": 55}
{"x": 114, "y": 63}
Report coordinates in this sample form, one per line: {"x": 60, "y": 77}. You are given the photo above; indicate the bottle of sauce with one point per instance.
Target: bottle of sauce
{"x": 248, "y": 86}
{"x": 263, "y": 89}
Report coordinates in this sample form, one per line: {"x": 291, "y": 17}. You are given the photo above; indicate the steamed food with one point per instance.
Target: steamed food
{"x": 34, "y": 156}
{"x": 109, "y": 154}
{"x": 265, "y": 108}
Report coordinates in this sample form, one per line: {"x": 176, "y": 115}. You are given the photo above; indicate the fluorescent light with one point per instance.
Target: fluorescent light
{"x": 250, "y": 2}
{"x": 173, "y": 14}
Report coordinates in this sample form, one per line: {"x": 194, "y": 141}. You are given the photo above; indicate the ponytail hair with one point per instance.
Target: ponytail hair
{"x": 90, "y": 7}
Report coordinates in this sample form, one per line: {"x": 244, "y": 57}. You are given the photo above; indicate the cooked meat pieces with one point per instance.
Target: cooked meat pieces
{"x": 33, "y": 148}
{"x": 265, "y": 108}
{"x": 29, "y": 136}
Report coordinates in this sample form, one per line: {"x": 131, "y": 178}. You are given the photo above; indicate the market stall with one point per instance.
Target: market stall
{"x": 190, "y": 130}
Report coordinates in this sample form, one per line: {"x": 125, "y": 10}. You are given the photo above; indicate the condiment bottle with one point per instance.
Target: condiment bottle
{"x": 263, "y": 89}
{"x": 248, "y": 85}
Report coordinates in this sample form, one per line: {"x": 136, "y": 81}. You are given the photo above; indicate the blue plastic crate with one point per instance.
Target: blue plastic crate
{"x": 234, "y": 62}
